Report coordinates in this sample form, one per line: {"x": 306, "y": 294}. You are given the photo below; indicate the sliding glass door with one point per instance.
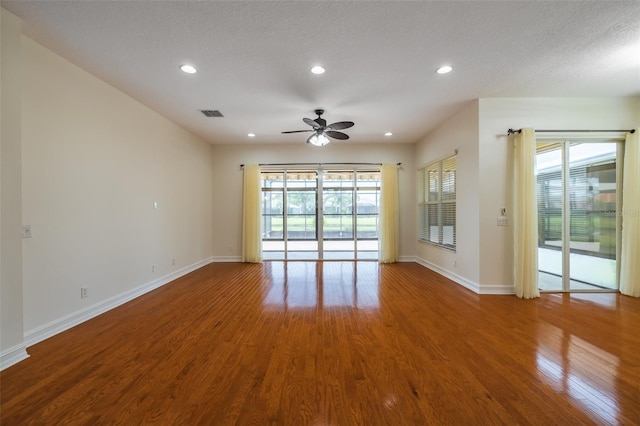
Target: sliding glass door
{"x": 351, "y": 204}
{"x": 578, "y": 226}
{"x": 320, "y": 214}
{"x": 289, "y": 215}
{"x": 338, "y": 195}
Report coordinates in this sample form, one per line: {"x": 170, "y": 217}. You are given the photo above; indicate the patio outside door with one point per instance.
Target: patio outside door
{"x": 320, "y": 214}
{"x": 578, "y": 225}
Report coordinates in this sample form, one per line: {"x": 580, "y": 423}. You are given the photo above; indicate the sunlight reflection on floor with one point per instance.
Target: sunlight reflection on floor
{"x": 330, "y": 284}
{"x": 595, "y": 394}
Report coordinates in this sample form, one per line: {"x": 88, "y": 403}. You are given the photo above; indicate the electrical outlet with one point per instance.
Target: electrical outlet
{"x": 153, "y": 268}
{"x": 503, "y": 221}
{"x": 230, "y": 249}
{"x": 83, "y": 293}
{"x": 26, "y": 231}
{"x": 173, "y": 260}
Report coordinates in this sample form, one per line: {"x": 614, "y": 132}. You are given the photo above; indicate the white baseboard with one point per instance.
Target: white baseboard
{"x": 13, "y": 356}
{"x": 43, "y": 332}
{"x": 475, "y": 287}
{"x": 497, "y": 289}
{"x": 407, "y": 259}
{"x": 223, "y": 259}
{"x": 452, "y": 276}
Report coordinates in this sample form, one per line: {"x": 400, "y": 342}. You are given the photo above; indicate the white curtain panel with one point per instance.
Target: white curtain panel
{"x": 388, "y": 227}
{"x": 525, "y": 216}
{"x": 629, "y": 267}
{"x": 251, "y": 229}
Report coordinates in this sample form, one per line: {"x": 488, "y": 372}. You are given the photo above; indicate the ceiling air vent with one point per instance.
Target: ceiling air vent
{"x": 211, "y": 113}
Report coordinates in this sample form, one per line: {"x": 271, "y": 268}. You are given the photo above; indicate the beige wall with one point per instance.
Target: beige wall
{"x": 94, "y": 162}
{"x": 11, "y": 325}
{"x": 459, "y": 132}
{"x": 227, "y": 211}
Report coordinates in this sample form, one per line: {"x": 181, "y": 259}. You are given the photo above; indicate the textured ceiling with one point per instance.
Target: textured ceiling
{"x": 253, "y": 58}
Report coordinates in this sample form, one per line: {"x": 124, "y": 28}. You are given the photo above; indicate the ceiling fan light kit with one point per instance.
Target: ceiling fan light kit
{"x": 318, "y": 139}
{"x": 322, "y": 131}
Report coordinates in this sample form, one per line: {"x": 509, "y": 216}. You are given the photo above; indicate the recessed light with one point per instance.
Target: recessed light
{"x": 388, "y": 134}
{"x": 251, "y": 135}
{"x": 189, "y": 69}
{"x": 318, "y": 70}
{"x": 445, "y": 69}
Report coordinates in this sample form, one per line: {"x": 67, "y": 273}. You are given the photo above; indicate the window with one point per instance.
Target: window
{"x": 437, "y": 203}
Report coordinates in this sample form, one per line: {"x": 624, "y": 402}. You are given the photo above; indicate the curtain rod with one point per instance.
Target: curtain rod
{"x": 320, "y": 164}
{"x": 512, "y": 131}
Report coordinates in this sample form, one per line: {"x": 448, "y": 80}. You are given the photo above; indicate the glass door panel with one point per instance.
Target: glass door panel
{"x": 272, "y": 221}
{"x": 337, "y": 215}
{"x": 577, "y": 215}
{"x": 368, "y": 211}
{"x": 301, "y": 215}
{"x": 301, "y": 223}
{"x": 273, "y": 244}
{"x": 593, "y": 230}
{"x": 549, "y": 187}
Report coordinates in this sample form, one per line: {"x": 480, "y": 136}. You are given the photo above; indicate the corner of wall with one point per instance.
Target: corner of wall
{"x": 12, "y": 348}
{"x": 468, "y": 284}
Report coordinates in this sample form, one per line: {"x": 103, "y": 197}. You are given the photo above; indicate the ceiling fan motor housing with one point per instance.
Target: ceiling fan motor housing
{"x": 321, "y": 121}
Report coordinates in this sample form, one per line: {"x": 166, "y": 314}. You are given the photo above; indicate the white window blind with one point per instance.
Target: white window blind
{"x": 437, "y": 203}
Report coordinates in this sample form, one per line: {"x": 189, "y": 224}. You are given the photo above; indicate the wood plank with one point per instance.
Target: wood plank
{"x": 302, "y": 343}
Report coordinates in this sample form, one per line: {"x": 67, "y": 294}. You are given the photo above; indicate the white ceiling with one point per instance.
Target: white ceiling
{"x": 253, "y": 58}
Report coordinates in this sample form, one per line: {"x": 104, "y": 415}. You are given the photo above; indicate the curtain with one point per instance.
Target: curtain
{"x": 525, "y": 216}
{"x": 251, "y": 215}
{"x": 388, "y": 213}
{"x": 629, "y": 268}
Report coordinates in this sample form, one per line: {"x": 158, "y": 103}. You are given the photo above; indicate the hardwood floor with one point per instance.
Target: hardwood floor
{"x": 335, "y": 343}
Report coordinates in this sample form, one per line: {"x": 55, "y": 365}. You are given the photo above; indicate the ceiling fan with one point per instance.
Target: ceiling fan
{"x": 321, "y": 130}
